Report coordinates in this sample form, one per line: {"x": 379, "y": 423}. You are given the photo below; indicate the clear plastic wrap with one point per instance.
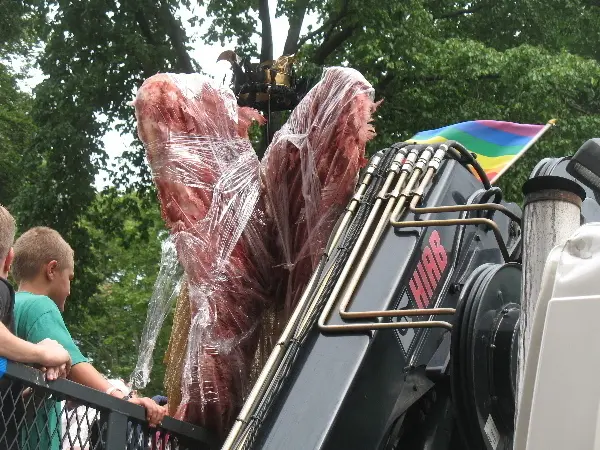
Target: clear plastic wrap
{"x": 311, "y": 168}
{"x": 226, "y": 291}
{"x": 207, "y": 175}
{"x": 247, "y": 235}
{"x": 167, "y": 288}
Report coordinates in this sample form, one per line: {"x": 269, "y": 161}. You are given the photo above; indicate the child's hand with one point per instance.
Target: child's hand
{"x": 26, "y": 392}
{"x": 154, "y": 412}
{"x": 52, "y": 354}
{"x": 54, "y": 373}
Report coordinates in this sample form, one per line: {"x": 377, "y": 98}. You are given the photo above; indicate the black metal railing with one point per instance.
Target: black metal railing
{"x": 62, "y": 415}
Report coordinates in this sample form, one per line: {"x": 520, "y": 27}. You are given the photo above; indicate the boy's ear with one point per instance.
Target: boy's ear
{"x": 8, "y": 260}
{"x": 51, "y": 269}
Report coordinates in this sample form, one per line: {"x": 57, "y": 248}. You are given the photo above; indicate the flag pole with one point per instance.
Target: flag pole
{"x": 549, "y": 125}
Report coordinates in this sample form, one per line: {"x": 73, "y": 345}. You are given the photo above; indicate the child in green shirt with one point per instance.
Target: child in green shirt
{"x": 43, "y": 266}
{"x": 49, "y": 354}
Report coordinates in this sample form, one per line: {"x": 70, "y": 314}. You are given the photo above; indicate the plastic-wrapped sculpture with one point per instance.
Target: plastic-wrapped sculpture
{"x": 246, "y": 233}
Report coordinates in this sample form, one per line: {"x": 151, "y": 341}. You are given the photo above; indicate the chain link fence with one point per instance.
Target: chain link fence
{"x": 63, "y": 415}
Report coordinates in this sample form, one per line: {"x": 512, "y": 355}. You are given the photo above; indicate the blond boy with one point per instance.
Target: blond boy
{"x": 47, "y": 353}
{"x": 53, "y": 358}
{"x": 44, "y": 267}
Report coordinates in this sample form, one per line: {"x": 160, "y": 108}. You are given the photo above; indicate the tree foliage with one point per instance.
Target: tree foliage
{"x": 434, "y": 62}
{"x": 15, "y": 131}
{"x": 110, "y": 327}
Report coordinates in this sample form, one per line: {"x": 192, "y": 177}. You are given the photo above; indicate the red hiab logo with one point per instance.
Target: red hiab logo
{"x": 429, "y": 271}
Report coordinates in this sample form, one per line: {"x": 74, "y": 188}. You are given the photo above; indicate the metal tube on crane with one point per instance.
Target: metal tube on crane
{"x": 551, "y": 213}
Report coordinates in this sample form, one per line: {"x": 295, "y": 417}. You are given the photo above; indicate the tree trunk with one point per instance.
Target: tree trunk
{"x": 295, "y": 21}
{"x": 178, "y": 39}
{"x": 331, "y": 44}
{"x": 266, "y": 52}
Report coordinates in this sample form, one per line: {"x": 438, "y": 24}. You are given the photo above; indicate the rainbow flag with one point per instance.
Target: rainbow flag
{"x": 497, "y": 145}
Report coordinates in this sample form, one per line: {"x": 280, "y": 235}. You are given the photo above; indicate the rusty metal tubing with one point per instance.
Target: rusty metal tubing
{"x": 348, "y": 215}
{"x": 346, "y": 299}
{"x": 453, "y": 222}
{"x": 345, "y": 328}
{"x": 450, "y": 222}
{"x": 424, "y": 183}
{"x": 304, "y": 320}
{"x": 363, "y": 234}
{"x": 365, "y": 257}
{"x": 426, "y": 157}
{"x": 347, "y": 315}
{"x": 398, "y": 207}
{"x": 371, "y": 244}
{"x": 351, "y": 208}
{"x": 433, "y": 161}
{"x": 395, "y": 222}
{"x": 461, "y": 208}
{"x": 401, "y": 313}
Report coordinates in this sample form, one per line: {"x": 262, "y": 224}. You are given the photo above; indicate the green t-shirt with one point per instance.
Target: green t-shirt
{"x": 37, "y": 318}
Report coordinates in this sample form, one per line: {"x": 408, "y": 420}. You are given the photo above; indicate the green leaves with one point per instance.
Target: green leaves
{"x": 16, "y": 128}
{"x": 127, "y": 249}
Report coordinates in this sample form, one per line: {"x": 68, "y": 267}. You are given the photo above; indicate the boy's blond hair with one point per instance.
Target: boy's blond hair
{"x": 36, "y": 248}
{"x": 7, "y": 232}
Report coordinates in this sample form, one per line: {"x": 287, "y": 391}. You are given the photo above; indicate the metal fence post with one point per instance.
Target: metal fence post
{"x": 116, "y": 432}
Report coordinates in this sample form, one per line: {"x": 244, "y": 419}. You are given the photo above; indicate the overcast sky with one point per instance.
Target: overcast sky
{"x": 205, "y": 55}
